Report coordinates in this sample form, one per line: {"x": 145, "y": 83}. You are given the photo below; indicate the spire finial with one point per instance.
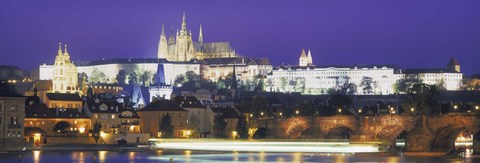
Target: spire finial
{"x": 60, "y": 48}
{"x": 200, "y": 35}
{"x": 66, "y": 49}
{"x": 163, "y": 31}
{"x": 183, "y": 31}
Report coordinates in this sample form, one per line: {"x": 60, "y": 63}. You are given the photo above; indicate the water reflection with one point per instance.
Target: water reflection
{"x": 208, "y": 156}
{"x": 36, "y": 156}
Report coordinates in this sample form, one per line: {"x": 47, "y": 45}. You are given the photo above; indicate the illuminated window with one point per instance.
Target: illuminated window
{"x": 113, "y": 116}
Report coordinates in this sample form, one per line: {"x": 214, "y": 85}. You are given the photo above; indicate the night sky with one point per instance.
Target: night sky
{"x": 408, "y": 33}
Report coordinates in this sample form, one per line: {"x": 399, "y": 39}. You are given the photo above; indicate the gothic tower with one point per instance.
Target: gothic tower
{"x": 183, "y": 42}
{"x": 162, "y": 45}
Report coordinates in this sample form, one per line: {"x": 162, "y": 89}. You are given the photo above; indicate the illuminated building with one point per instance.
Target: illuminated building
{"x": 365, "y": 79}
{"x": 64, "y": 77}
{"x": 12, "y": 113}
{"x": 160, "y": 89}
{"x": 152, "y": 114}
{"x": 39, "y": 115}
{"x": 63, "y": 100}
{"x": 182, "y": 48}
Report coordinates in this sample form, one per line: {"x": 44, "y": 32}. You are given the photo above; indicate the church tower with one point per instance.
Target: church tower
{"x": 163, "y": 45}
{"x": 309, "y": 58}
{"x": 303, "y": 59}
{"x": 65, "y": 75}
{"x": 183, "y": 42}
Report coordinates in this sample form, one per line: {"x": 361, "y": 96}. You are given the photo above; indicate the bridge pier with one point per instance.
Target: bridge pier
{"x": 476, "y": 143}
{"x": 361, "y": 135}
{"x": 420, "y": 138}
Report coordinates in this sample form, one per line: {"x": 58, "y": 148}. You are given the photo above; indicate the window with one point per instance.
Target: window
{"x": 113, "y": 116}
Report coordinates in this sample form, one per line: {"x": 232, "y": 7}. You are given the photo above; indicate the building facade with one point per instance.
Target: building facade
{"x": 181, "y": 47}
{"x": 64, "y": 76}
{"x": 357, "y": 79}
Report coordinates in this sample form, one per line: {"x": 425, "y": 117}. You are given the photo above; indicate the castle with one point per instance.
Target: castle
{"x": 183, "y": 48}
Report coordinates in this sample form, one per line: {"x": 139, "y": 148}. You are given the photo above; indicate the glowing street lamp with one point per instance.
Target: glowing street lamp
{"x": 280, "y": 113}
{"x": 412, "y": 109}
{"x": 261, "y": 113}
{"x": 455, "y": 107}
{"x": 476, "y": 107}
{"x": 297, "y": 112}
{"x": 339, "y": 110}
{"x": 251, "y": 115}
{"x": 360, "y": 110}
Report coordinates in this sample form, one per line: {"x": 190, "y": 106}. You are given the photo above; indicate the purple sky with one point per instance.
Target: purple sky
{"x": 408, "y": 33}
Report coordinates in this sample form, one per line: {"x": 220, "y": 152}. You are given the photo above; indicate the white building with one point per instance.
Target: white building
{"x": 450, "y": 78}
{"x": 367, "y": 79}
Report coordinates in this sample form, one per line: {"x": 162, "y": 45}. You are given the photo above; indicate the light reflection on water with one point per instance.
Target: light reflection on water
{"x": 208, "y": 156}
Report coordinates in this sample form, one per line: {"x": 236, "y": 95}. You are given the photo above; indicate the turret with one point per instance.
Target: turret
{"x": 171, "y": 38}
{"x": 453, "y": 65}
{"x": 59, "y": 48}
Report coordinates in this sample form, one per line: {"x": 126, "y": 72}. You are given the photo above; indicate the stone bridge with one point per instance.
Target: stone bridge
{"x": 423, "y": 133}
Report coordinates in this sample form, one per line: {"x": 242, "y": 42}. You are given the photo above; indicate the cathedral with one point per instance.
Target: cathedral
{"x": 65, "y": 78}
{"x": 181, "y": 47}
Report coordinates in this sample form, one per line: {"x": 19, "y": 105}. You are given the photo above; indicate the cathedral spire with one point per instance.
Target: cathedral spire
{"x": 60, "y": 48}
{"x": 200, "y": 35}
{"x": 303, "y": 54}
{"x": 183, "y": 31}
{"x": 66, "y": 52}
{"x": 163, "y": 30}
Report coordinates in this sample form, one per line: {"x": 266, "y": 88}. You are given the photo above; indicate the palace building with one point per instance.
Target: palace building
{"x": 308, "y": 78}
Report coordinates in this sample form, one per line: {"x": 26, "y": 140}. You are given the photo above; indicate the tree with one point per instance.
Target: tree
{"x": 422, "y": 97}
{"x": 260, "y": 86}
{"x": 219, "y": 125}
{"x": 121, "y": 77}
{"x": 145, "y": 78}
{"x": 348, "y": 89}
{"x": 242, "y": 128}
{"x": 97, "y": 127}
{"x": 61, "y": 127}
{"x": 283, "y": 83}
{"x": 166, "y": 127}
{"x": 97, "y": 77}
{"x": 367, "y": 84}
{"x": 179, "y": 80}
{"x": 132, "y": 78}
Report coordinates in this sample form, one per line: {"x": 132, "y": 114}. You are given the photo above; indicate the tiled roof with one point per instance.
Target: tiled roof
{"x": 42, "y": 111}
{"x": 163, "y": 105}
{"x": 428, "y": 70}
{"x": 112, "y": 107}
{"x": 379, "y": 66}
{"x": 7, "y": 90}
{"x": 63, "y": 97}
{"x": 453, "y": 61}
{"x": 133, "y": 61}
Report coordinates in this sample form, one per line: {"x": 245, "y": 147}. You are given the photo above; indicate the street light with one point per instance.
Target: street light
{"x": 476, "y": 107}
{"x": 455, "y": 107}
{"x": 261, "y": 113}
{"x": 296, "y": 112}
{"x": 339, "y": 110}
{"x": 360, "y": 110}
{"x": 412, "y": 109}
{"x": 280, "y": 113}
{"x": 251, "y": 115}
